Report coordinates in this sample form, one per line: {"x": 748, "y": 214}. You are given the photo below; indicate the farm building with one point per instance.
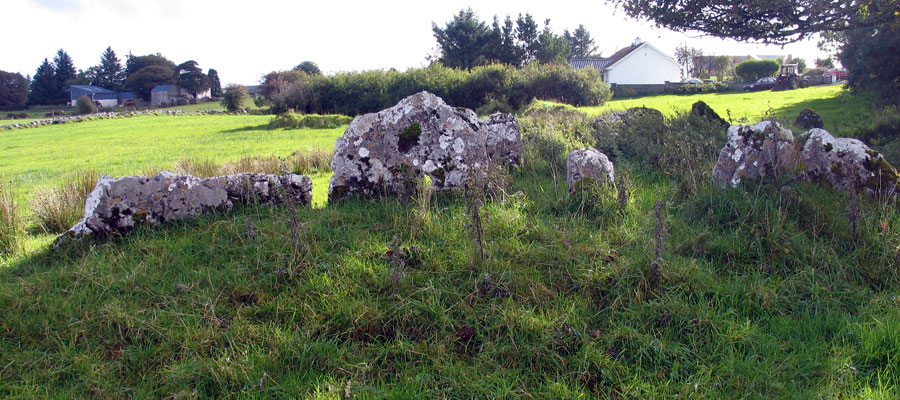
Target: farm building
{"x": 638, "y": 64}
{"x": 169, "y": 94}
{"x": 103, "y": 96}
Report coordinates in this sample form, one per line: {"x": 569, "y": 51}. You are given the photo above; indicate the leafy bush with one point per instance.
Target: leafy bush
{"x": 234, "y": 98}
{"x": 498, "y": 87}
{"x": 10, "y": 222}
{"x": 58, "y": 208}
{"x": 293, "y": 120}
{"x": 85, "y": 105}
{"x": 752, "y": 70}
{"x": 181, "y": 101}
{"x": 707, "y": 87}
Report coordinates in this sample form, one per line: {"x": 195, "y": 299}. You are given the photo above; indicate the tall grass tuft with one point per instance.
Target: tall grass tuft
{"x": 10, "y": 222}
{"x": 196, "y": 167}
{"x": 310, "y": 161}
{"x": 57, "y": 208}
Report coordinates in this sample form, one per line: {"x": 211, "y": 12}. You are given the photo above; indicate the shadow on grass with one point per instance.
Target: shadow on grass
{"x": 249, "y": 128}
{"x": 840, "y": 114}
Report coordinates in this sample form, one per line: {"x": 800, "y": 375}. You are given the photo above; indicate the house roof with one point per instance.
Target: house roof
{"x": 622, "y": 53}
{"x": 90, "y": 89}
{"x": 598, "y": 63}
{"x": 162, "y": 88}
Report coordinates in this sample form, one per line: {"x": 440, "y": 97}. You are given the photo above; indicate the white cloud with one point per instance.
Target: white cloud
{"x": 244, "y": 40}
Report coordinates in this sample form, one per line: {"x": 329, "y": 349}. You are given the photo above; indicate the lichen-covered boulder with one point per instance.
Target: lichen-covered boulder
{"x": 588, "y": 166}
{"x": 703, "y": 111}
{"x": 846, "y": 164}
{"x": 504, "y": 139}
{"x": 385, "y": 152}
{"x": 754, "y": 152}
{"x": 809, "y": 119}
{"x": 118, "y": 205}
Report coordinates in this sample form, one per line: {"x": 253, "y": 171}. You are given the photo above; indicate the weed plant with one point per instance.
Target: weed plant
{"x": 10, "y": 222}
{"x": 57, "y": 208}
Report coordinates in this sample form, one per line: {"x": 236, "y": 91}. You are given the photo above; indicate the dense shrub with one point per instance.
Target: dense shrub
{"x": 85, "y": 105}
{"x": 752, "y": 70}
{"x": 58, "y": 208}
{"x": 499, "y": 87}
{"x": 293, "y": 120}
{"x": 234, "y": 97}
{"x": 707, "y": 87}
{"x": 10, "y": 223}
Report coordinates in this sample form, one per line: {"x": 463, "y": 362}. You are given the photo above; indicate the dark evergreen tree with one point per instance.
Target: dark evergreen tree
{"x": 109, "y": 74}
{"x": 551, "y": 49}
{"x": 134, "y": 63}
{"x": 65, "y": 73}
{"x": 463, "y": 41}
{"x": 191, "y": 78}
{"x": 580, "y": 42}
{"x": 503, "y": 43}
{"x": 44, "y": 88}
{"x": 215, "y": 85}
{"x": 527, "y": 35}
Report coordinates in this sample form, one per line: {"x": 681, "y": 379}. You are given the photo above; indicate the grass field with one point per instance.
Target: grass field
{"x": 840, "y": 110}
{"x": 761, "y": 292}
{"x": 128, "y": 146}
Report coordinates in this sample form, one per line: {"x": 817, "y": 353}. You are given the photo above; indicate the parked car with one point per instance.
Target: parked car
{"x": 761, "y": 84}
{"x": 693, "y": 80}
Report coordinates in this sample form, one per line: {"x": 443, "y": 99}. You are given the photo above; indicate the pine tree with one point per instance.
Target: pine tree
{"x": 65, "y": 71}
{"x": 215, "y": 85}
{"x": 44, "y": 87}
{"x": 109, "y": 74}
{"x": 580, "y": 42}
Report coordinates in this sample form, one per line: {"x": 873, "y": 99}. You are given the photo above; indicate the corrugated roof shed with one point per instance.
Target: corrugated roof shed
{"x": 597, "y": 63}
{"x": 162, "y": 88}
{"x": 90, "y": 89}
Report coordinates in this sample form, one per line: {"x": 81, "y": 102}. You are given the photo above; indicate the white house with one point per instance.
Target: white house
{"x": 638, "y": 64}
{"x": 162, "y": 95}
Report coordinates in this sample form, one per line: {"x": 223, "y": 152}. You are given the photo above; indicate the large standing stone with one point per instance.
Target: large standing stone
{"x": 845, "y": 164}
{"x": 118, "y": 205}
{"x": 504, "y": 140}
{"x": 755, "y": 152}
{"x": 588, "y": 164}
{"x": 385, "y": 152}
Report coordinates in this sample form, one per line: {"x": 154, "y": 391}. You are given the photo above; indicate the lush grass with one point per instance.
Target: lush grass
{"x": 758, "y": 297}
{"x": 127, "y": 146}
{"x": 761, "y": 292}
{"x": 839, "y": 109}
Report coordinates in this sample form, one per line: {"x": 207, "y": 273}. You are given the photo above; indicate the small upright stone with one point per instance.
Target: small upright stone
{"x": 587, "y": 165}
{"x": 809, "y": 119}
{"x": 755, "y": 152}
{"x": 703, "y": 111}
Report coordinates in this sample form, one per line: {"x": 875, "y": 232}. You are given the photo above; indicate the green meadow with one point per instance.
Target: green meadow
{"x": 760, "y": 292}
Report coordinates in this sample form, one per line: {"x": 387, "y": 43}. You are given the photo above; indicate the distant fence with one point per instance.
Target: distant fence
{"x": 634, "y": 90}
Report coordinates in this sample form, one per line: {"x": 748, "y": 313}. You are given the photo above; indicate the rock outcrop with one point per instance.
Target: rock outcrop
{"x": 755, "y": 152}
{"x": 809, "y": 119}
{"x": 629, "y": 117}
{"x": 118, "y": 205}
{"x": 846, "y": 164}
{"x": 384, "y": 153}
{"x": 587, "y": 165}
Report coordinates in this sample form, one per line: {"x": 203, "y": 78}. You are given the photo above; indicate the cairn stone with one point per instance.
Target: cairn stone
{"x": 809, "y": 119}
{"x": 755, "y": 152}
{"x": 384, "y": 153}
{"x": 119, "y": 205}
{"x": 629, "y": 117}
{"x": 587, "y": 165}
{"x": 846, "y": 164}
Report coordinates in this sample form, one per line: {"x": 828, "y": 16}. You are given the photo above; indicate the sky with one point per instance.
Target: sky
{"x": 244, "y": 40}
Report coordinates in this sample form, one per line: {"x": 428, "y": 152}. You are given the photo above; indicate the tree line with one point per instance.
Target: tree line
{"x": 140, "y": 74}
{"x": 467, "y": 42}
